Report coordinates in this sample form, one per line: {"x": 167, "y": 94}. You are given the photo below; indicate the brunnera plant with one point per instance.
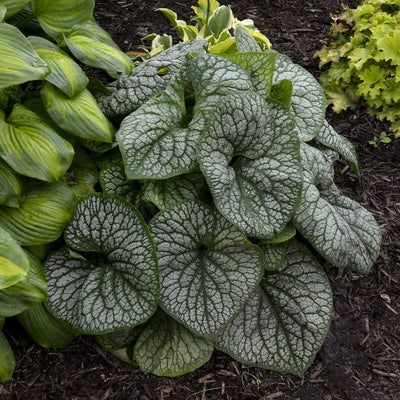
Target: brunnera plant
{"x": 364, "y": 62}
{"x": 230, "y": 160}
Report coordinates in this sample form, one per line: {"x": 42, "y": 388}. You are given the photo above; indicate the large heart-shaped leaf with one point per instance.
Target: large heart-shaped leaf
{"x": 10, "y": 186}
{"x": 207, "y": 267}
{"x": 19, "y": 61}
{"x": 14, "y": 264}
{"x": 148, "y": 79}
{"x": 249, "y": 155}
{"x": 57, "y": 17}
{"x": 167, "y": 348}
{"x": 31, "y": 147}
{"x": 113, "y": 287}
{"x": 42, "y": 216}
{"x": 80, "y": 115}
{"x": 285, "y": 321}
{"x": 93, "y": 46}
{"x": 25, "y": 293}
{"x": 65, "y": 73}
{"x": 7, "y": 360}
{"x": 341, "y": 230}
{"x": 308, "y": 102}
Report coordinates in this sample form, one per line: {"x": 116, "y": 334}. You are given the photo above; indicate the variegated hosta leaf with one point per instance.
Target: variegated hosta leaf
{"x": 341, "y": 230}
{"x": 258, "y": 191}
{"x": 119, "y": 288}
{"x": 80, "y": 115}
{"x": 42, "y": 216}
{"x": 285, "y": 321}
{"x": 57, "y": 17}
{"x": 3, "y": 12}
{"x": 31, "y": 147}
{"x": 167, "y": 348}
{"x": 308, "y": 100}
{"x": 14, "y": 264}
{"x": 207, "y": 268}
{"x": 245, "y": 42}
{"x": 65, "y": 73}
{"x": 167, "y": 193}
{"x": 93, "y": 46}
{"x": 19, "y": 61}
{"x": 10, "y": 186}
{"x": 14, "y": 6}
{"x": 328, "y": 137}
{"x": 260, "y": 66}
{"x": 148, "y": 79}
{"x": 25, "y": 293}
{"x": 7, "y": 361}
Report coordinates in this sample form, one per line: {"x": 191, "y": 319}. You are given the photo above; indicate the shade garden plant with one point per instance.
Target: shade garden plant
{"x": 213, "y": 201}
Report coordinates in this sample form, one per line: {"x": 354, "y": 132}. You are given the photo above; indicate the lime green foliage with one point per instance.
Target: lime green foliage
{"x": 381, "y": 139}
{"x": 215, "y": 24}
{"x": 364, "y": 61}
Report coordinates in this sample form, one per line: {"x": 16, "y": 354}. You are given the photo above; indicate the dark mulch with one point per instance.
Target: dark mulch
{"x": 361, "y": 356}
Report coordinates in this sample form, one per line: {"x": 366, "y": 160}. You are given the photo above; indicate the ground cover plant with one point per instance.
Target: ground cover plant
{"x": 363, "y": 61}
{"x": 128, "y": 338}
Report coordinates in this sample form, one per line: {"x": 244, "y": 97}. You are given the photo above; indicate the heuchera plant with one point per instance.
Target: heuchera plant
{"x": 364, "y": 61}
{"x": 230, "y": 161}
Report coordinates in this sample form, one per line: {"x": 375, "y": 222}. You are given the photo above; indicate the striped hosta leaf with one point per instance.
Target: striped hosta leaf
{"x": 19, "y": 61}
{"x": 57, "y": 17}
{"x": 167, "y": 193}
{"x": 42, "y": 216}
{"x": 148, "y": 79}
{"x": 3, "y": 12}
{"x": 31, "y": 147}
{"x": 25, "y": 293}
{"x": 80, "y": 115}
{"x": 7, "y": 360}
{"x": 285, "y": 321}
{"x": 249, "y": 155}
{"x": 167, "y": 348}
{"x": 65, "y": 73}
{"x": 115, "y": 285}
{"x": 328, "y": 137}
{"x": 14, "y": 6}
{"x": 207, "y": 268}
{"x": 93, "y": 46}
{"x": 308, "y": 101}
{"x": 10, "y": 186}
{"x": 14, "y": 264}
{"x": 341, "y": 230}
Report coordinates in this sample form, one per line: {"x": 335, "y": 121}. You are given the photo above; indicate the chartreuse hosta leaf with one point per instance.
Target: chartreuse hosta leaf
{"x": 14, "y": 6}
{"x": 148, "y": 79}
{"x": 31, "y": 147}
{"x": 93, "y": 46}
{"x": 116, "y": 286}
{"x": 249, "y": 155}
{"x": 80, "y": 115}
{"x": 65, "y": 73}
{"x": 25, "y": 293}
{"x": 10, "y": 186}
{"x": 167, "y": 193}
{"x": 7, "y": 361}
{"x": 14, "y": 264}
{"x": 285, "y": 321}
{"x": 332, "y": 140}
{"x": 308, "y": 101}
{"x": 57, "y": 17}
{"x": 341, "y": 230}
{"x": 19, "y": 61}
{"x": 3, "y": 12}
{"x": 207, "y": 267}
{"x": 167, "y": 348}
{"x": 42, "y": 216}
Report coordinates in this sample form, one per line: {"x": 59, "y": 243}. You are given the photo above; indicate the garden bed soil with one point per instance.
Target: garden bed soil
{"x": 360, "y": 358}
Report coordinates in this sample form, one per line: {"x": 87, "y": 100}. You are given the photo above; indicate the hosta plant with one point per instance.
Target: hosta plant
{"x": 363, "y": 61}
{"x": 230, "y": 161}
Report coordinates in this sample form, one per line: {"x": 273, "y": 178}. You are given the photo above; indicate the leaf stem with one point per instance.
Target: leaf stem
{"x": 207, "y": 17}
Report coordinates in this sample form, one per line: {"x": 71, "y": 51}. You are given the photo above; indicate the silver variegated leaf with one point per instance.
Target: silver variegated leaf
{"x": 207, "y": 267}
{"x": 167, "y": 348}
{"x": 340, "y": 229}
{"x": 114, "y": 286}
{"x": 245, "y": 43}
{"x": 249, "y": 155}
{"x": 285, "y": 321}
